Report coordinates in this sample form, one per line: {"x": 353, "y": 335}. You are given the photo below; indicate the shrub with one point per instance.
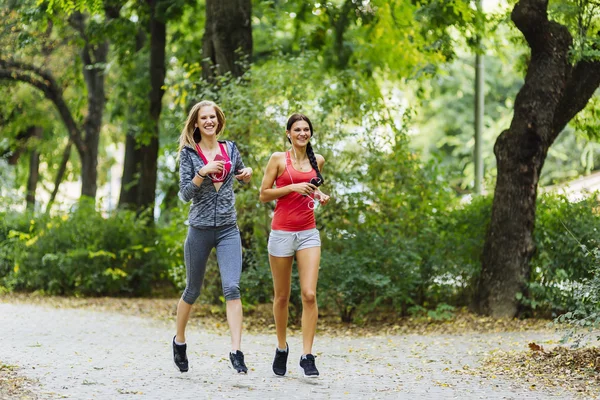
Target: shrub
{"x": 83, "y": 253}
{"x": 559, "y": 267}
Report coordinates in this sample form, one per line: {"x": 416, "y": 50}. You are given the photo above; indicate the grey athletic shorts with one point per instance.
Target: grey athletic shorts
{"x": 286, "y": 243}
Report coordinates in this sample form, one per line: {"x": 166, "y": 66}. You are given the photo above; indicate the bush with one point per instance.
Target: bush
{"x": 584, "y": 317}
{"x": 83, "y": 253}
{"x": 559, "y": 267}
{"x": 363, "y": 269}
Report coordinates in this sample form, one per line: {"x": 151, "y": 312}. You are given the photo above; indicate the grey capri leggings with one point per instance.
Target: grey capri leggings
{"x": 198, "y": 245}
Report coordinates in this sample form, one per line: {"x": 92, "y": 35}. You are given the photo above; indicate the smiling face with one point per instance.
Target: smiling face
{"x": 299, "y": 133}
{"x": 208, "y": 121}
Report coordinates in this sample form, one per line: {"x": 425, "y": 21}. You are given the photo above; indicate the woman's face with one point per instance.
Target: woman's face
{"x": 207, "y": 121}
{"x": 299, "y": 133}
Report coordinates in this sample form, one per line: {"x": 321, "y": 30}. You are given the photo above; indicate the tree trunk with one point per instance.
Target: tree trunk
{"x": 149, "y": 152}
{"x": 128, "y": 197}
{"x": 34, "y": 170}
{"x": 553, "y": 93}
{"x": 60, "y": 174}
{"x": 94, "y": 63}
{"x": 227, "y": 37}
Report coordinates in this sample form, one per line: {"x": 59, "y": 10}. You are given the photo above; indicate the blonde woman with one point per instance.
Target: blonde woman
{"x": 207, "y": 170}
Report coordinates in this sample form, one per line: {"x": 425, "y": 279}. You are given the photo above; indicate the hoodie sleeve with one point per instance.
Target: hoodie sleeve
{"x": 187, "y": 188}
{"x": 239, "y": 164}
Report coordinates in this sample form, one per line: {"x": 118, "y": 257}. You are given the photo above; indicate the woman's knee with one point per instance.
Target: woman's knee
{"x": 190, "y": 295}
{"x": 309, "y": 297}
{"x": 281, "y": 300}
{"x": 231, "y": 291}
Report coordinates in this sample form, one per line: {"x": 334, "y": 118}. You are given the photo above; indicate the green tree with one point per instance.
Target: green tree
{"x": 24, "y": 65}
{"x": 562, "y": 76}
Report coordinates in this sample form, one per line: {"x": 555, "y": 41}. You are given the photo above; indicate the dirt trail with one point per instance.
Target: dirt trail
{"x": 81, "y": 354}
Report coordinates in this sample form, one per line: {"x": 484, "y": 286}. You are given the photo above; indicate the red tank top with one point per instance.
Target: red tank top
{"x": 223, "y": 156}
{"x": 294, "y": 212}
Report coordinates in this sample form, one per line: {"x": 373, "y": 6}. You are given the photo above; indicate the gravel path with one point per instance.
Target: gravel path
{"x": 79, "y": 354}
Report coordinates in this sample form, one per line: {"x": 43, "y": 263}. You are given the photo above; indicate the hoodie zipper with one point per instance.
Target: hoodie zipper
{"x": 216, "y": 204}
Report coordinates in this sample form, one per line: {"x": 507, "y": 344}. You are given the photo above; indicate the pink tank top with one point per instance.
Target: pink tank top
{"x": 294, "y": 212}
{"x": 223, "y": 156}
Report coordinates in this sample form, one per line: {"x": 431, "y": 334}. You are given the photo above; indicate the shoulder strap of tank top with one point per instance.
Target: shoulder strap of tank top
{"x": 288, "y": 164}
{"x": 223, "y": 151}
{"x": 201, "y": 154}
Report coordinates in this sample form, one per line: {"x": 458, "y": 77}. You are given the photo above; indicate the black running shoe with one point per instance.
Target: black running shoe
{"x": 237, "y": 362}
{"x": 280, "y": 361}
{"x": 180, "y": 356}
{"x": 308, "y": 367}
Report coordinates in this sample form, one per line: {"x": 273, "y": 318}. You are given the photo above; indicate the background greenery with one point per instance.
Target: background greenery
{"x": 391, "y": 103}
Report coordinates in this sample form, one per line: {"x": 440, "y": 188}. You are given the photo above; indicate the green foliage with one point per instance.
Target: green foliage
{"x": 83, "y": 253}
{"x": 582, "y": 19}
{"x": 443, "y": 312}
{"x": 584, "y": 318}
{"x": 559, "y": 266}
{"x": 362, "y": 268}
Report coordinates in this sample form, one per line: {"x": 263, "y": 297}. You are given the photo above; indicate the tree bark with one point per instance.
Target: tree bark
{"x": 128, "y": 196}
{"x": 94, "y": 57}
{"x": 149, "y": 152}
{"x": 34, "y": 170}
{"x": 227, "y": 37}
{"x": 60, "y": 174}
{"x": 553, "y": 93}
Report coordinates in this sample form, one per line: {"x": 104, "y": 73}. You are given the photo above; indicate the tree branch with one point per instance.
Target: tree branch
{"x": 584, "y": 81}
{"x": 531, "y": 18}
{"x": 17, "y": 71}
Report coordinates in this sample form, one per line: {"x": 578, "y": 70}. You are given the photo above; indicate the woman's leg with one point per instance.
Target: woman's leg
{"x": 281, "y": 270}
{"x": 308, "y": 270}
{"x": 197, "y": 247}
{"x": 183, "y": 315}
{"x": 229, "y": 258}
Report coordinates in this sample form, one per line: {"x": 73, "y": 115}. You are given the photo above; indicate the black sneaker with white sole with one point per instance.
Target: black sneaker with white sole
{"x": 308, "y": 367}
{"x": 237, "y": 362}
{"x": 180, "y": 356}
{"x": 280, "y": 361}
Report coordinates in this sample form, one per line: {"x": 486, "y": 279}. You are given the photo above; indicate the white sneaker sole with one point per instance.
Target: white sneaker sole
{"x": 235, "y": 371}
{"x": 304, "y": 375}
{"x": 177, "y": 368}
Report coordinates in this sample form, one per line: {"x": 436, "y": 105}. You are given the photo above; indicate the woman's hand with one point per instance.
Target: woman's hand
{"x": 304, "y": 188}
{"x": 213, "y": 167}
{"x": 244, "y": 175}
{"x": 322, "y": 197}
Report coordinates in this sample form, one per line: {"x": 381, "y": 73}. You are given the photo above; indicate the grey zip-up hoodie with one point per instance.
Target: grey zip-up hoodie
{"x": 209, "y": 208}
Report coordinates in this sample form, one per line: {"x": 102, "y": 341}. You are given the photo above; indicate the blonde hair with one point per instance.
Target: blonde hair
{"x": 187, "y": 133}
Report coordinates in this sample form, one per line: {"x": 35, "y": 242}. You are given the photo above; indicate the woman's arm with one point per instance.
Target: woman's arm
{"x": 189, "y": 181}
{"x": 268, "y": 193}
{"x": 320, "y": 162}
{"x": 322, "y": 197}
{"x": 242, "y": 173}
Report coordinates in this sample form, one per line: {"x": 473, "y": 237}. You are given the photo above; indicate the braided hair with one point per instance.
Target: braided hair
{"x": 309, "y": 150}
